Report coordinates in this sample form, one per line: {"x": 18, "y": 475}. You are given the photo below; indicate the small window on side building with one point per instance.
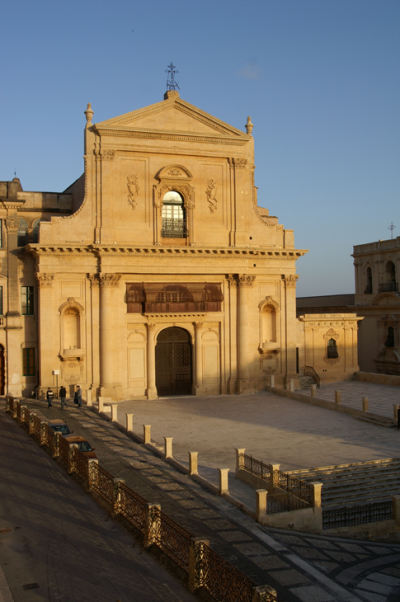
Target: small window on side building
{"x": 332, "y": 351}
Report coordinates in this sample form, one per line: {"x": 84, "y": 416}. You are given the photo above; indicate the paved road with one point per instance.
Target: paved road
{"x": 57, "y": 544}
{"x": 302, "y": 567}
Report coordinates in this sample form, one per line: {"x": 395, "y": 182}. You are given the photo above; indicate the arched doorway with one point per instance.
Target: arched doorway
{"x": 174, "y": 362}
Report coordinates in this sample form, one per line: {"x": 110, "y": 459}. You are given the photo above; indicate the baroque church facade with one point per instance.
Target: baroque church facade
{"x": 156, "y": 273}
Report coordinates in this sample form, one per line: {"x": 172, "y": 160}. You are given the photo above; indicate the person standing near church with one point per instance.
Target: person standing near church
{"x": 78, "y": 396}
{"x": 63, "y": 396}
{"x": 49, "y": 397}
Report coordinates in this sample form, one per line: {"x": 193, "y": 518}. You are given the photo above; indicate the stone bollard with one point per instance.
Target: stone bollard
{"x": 114, "y": 412}
{"x": 117, "y": 501}
{"x": 89, "y": 399}
{"x": 153, "y": 525}
{"x": 264, "y": 593}
{"x": 291, "y": 385}
{"x": 261, "y": 509}
{"x": 44, "y": 433}
{"x": 146, "y": 434}
{"x": 193, "y": 463}
{"x": 31, "y": 424}
{"x": 93, "y": 474}
{"x": 272, "y": 381}
{"x": 129, "y": 423}
{"x": 365, "y": 404}
{"x": 72, "y": 453}
{"x": 338, "y": 397}
{"x": 313, "y": 390}
{"x": 168, "y": 447}
{"x": 223, "y": 481}
{"x": 240, "y": 458}
{"x": 198, "y": 566}
{"x": 55, "y": 452}
{"x": 274, "y": 475}
{"x": 101, "y": 404}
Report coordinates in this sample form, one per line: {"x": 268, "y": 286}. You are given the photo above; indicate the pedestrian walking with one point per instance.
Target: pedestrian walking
{"x": 63, "y": 396}
{"x": 78, "y": 396}
{"x": 49, "y": 397}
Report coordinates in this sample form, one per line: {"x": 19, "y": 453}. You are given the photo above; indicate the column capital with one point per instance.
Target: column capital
{"x": 12, "y": 223}
{"x": 93, "y": 279}
{"x": 246, "y": 280}
{"x": 232, "y": 279}
{"x": 109, "y": 280}
{"x": 44, "y": 280}
{"x": 290, "y": 280}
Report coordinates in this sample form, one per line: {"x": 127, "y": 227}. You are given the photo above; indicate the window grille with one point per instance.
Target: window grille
{"x": 27, "y": 303}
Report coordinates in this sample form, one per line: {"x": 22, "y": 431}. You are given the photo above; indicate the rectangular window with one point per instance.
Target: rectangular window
{"x": 27, "y": 300}
{"x": 28, "y": 361}
{"x": 1, "y": 300}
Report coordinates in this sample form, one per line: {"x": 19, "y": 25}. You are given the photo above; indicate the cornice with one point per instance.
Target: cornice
{"x": 171, "y": 136}
{"x": 126, "y": 250}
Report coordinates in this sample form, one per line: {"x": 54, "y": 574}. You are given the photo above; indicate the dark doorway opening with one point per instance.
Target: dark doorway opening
{"x": 174, "y": 362}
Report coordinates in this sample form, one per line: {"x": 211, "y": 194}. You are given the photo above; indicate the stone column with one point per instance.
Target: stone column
{"x": 245, "y": 283}
{"x": 233, "y": 333}
{"x": 290, "y": 326}
{"x": 198, "y": 372}
{"x": 151, "y": 390}
{"x": 48, "y": 319}
{"x": 109, "y": 345}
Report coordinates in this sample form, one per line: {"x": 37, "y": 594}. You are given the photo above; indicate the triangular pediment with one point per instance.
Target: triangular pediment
{"x": 174, "y": 116}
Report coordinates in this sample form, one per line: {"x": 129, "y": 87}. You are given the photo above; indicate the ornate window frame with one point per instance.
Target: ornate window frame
{"x": 173, "y": 178}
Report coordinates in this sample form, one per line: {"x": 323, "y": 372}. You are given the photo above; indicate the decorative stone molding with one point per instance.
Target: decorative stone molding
{"x": 239, "y": 163}
{"x": 246, "y": 280}
{"x": 210, "y": 194}
{"x": 12, "y": 223}
{"x": 44, "y": 280}
{"x": 232, "y": 279}
{"x": 93, "y": 279}
{"x": 107, "y": 155}
{"x": 109, "y": 280}
{"x": 290, "y": 280}
{"x": 133, "y": 190}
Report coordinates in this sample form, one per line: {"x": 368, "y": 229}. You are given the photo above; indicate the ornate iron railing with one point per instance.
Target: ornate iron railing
{"x": 104, "y": 487}
{"x": 64, "y": 453}
{"x": 256, "y": 467}
{"x": 81, "y": 467}
{"x": 296, "y": 487}
{"x": 175, "y": 541}
{"x": 351, "y": 516}
{"x": 223, "y": 581}
{"x": 133, "y": 507}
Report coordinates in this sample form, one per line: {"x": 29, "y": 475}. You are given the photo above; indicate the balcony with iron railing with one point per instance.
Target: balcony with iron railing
{"x": 388, "y": 287}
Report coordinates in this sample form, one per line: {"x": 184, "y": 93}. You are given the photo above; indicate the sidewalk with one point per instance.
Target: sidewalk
{"x": 301, "y": 567}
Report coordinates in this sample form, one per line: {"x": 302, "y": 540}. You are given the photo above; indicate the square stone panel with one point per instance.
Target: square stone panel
{"x": 219, "y": 523}
{"x": 289, "y": 577}
{"x": 269, "y": 562}
{"x": 234, "y": 536}
{"x": 250, "y": 549}
{"x": 312, "y": 593}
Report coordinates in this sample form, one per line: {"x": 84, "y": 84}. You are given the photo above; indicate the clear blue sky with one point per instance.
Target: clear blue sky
{"x": 320, "y": 79}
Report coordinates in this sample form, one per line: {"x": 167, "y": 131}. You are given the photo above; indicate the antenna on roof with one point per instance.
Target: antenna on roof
{"x": 172, "y": 84}
{"x": 391, "y": 228}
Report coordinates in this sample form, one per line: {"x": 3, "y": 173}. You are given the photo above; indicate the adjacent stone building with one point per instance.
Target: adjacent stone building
{"x": 377, "y": 299}
{"x": 156, "y": 272}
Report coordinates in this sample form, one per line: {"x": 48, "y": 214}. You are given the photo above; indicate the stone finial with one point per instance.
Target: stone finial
{"x": 249, "y": 125}
{"x": 89, "y": 114}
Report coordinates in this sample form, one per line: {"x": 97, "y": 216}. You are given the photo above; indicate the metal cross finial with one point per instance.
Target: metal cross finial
{"x": 172, "y": 84}
{"x": 391, "y": 228}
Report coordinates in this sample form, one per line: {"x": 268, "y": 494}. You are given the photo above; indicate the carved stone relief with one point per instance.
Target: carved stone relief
{"x": 211, "y": 195}
{"x": 133, "y": 190}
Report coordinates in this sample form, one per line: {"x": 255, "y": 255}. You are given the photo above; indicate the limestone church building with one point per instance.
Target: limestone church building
{"x": 156, "y": 273}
